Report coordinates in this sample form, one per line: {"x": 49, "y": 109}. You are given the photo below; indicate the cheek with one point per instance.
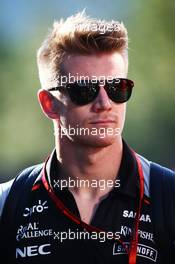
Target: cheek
{"x": 120, "y": 109}
{"x": 123, "y": 110}
{"x": 122, "y": 115}
{"x": 66, "y": 106}
{"x": 72, "y": 116}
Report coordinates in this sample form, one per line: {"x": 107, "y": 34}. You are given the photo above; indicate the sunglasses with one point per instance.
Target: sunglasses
{"x": 84, "y": 92}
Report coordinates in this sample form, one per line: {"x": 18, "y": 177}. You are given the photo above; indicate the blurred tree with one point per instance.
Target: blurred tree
{"x": 150, "y": 123}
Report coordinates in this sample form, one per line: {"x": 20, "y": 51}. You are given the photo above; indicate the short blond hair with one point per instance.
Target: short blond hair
{"x": 78, "y": 34}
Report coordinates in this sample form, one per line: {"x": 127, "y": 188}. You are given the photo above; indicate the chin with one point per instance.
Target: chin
{"x": 96, "y": 142}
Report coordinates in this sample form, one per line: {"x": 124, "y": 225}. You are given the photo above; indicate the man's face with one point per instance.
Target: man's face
{"x": 99, "y": 123}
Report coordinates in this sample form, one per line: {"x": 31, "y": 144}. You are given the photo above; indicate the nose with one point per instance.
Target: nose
{"x": 102, "y": 101}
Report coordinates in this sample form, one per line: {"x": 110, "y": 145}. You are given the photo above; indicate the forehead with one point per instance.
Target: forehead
{"x": 108, "y": 64}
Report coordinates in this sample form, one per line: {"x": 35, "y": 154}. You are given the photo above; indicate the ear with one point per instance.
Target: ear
{"x": 48, "y": 103}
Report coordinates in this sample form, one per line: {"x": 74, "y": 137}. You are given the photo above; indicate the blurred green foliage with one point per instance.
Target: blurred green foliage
{"x": 151, "y": 124}
{"x": 26, "y": 135}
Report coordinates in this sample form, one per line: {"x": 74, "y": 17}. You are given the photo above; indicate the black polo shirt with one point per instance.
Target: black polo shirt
{"x": 47, "y": 235}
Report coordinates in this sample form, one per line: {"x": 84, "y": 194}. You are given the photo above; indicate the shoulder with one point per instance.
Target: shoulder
{"x": 4, "y": 191}
{"x": 153, "y": 171}
{"x": 18, "y": 182}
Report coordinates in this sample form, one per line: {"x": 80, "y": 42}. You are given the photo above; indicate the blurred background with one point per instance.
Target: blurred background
{"x": 26, "y": 135}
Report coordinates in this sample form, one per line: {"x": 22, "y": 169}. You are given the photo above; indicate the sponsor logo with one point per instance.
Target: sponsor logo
{"x": 31, "y": 230}
{"x": 32, "y": 251}
{"x": 126, "y": 231}
{"x": 142, "y": 251}
{"x": 38, "y": 208}
{"x": 132, "y": 214}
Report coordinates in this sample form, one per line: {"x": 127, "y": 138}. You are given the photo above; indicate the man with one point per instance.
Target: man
{"x": 90, "y": 201}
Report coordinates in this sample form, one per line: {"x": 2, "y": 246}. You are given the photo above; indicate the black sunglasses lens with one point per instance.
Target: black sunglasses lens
{"x": 82, "y": 93}
{"x": 119, "y": 91}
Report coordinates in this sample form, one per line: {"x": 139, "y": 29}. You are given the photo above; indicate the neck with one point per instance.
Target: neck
{"x": 89, "y": 163}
